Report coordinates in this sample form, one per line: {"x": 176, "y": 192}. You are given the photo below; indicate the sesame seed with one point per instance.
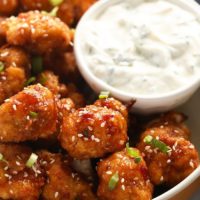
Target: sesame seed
{"x": 121, "y": 142}
{"x": 191, "y": 146}
{"x": 103, "y": 124}
{"x": 97, "y": 140}
{"x": 122, "y": 180}
{"x": 169, "y": 161}
{"x": 191, "y": 164}
{"x": 14, "y": 107}
{"x": 73, "y": 138}
{"x": 161, "y": 178}
{"x": 80, "y": 135}
{"x": 152, "y": 131}
{"x": 18, "y": 163}
{"x": 123, "y": 187}
{"x": 56, "y": 194}
{"x": 109, "y": 172}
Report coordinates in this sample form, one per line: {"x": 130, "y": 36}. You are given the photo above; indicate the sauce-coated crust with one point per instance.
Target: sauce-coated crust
{"x": 27, "y": 5}
{"x": 16, "y": 180}
{"x": 62, "y": 182}
{"x": 69, "y": 11}
{"x": 37, "y": 32}
{"x": 8, "y": 7}
{"x": 15, "y": 73}
{"x": 114, "y": 105}
{"x": 29, "y": 115}
{"x": 49, "y": 80}
{"x": 173, "y": 166}
{"x": 133, "y": 183}
{"x": 174, "y": 123}
{"x": 93, "y": 131}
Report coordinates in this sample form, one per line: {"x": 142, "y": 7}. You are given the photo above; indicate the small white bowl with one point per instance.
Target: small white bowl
{"x": 144, "y": 104}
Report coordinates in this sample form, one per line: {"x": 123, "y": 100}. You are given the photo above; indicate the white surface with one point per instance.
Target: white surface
{"x": 143, "y": 104}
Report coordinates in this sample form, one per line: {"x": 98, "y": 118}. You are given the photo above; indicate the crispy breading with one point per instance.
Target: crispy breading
{"x": 93, "y": 132}
{"x": 29, "y": 115}
{"x": 174, "y": 122}
{"x": 113, "y": 104}
{"x": 49, "y": 80}
{"x": 37, "y": 32}
{"x": 17, "y": 181}
{"x": 62, "y": 182}
{"x": 8, "y": 7}
{"x": 180, "y": 158}
{"x": 132, "y": 182}
{"x": 27, "y": 5}
{"x": 16, "y": 67}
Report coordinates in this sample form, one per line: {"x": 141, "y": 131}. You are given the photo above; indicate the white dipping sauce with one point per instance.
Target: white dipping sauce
{"x": 151, "y": 47}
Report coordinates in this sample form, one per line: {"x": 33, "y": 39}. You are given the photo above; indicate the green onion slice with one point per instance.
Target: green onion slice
{"x": 32, "y": 160}
{"x": 1, "y": 66}
{"x": 156, "y": 143}
{"x": 33, "y": 114}
{"x": 1, "y": 157}
{"x": 43, "y": 79}
{"x": 133, "y": 153}
{"x": 55, "y": 2}
{"x": 37, "y": 64}
{"x": 54, "y": 11}
{"x": 30, "y": 81}
{"x": 104, "y": 95}
{"x": 113, "y": 181}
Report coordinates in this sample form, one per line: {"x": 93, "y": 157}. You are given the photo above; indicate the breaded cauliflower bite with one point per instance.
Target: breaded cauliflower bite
{"x": 169, "y": 156}
{"x": 174, "y": 123}
{"x": 65, "y": 107}
{"x": 123, "y": 176}
{"x": 49, "y": 80}
{"x": 14, "y": 71}
{"x": 8, "y": 7}
{"x": 113, "y": 104}
{"x": 29, "y": 115}
{"x": 17, "y": 181}
{"x": 37, "y": 32}
{"x": 92, "y": 132}
{"x": 27, "y": 5}
{"x": 64, "y": 65}
{"x": 62, "y": 182}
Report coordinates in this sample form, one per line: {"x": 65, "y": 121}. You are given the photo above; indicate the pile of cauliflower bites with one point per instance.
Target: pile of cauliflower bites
{"x": 55, "y": 147}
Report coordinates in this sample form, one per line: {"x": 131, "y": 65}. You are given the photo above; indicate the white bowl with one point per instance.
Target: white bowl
{"x": 144, "y": 104}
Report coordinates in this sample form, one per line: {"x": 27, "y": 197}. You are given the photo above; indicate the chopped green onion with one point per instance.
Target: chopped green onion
{"x": 55, "y": 2}
{"x": 33, "y": 114}
{"x": 1, "y": 157}
{"x": 32, "y": 160}
{"x": 133, "y": 153}
{"x": 43, "y": 79}
{"x": 148, "y": 139}
{"x": 30, "y": 81}
{"x": 104, "y": 95}
{"x": 1, "y": 66}
{"x": 36, "y": 64}
{"x": 113, "y": 181}
{"x": 156, "y": 143}
{"x": 54, "y": 11}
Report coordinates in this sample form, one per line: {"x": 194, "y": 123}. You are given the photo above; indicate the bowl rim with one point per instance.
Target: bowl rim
{"x": 180, "y": 187}
{"x": 87, "y": 73}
